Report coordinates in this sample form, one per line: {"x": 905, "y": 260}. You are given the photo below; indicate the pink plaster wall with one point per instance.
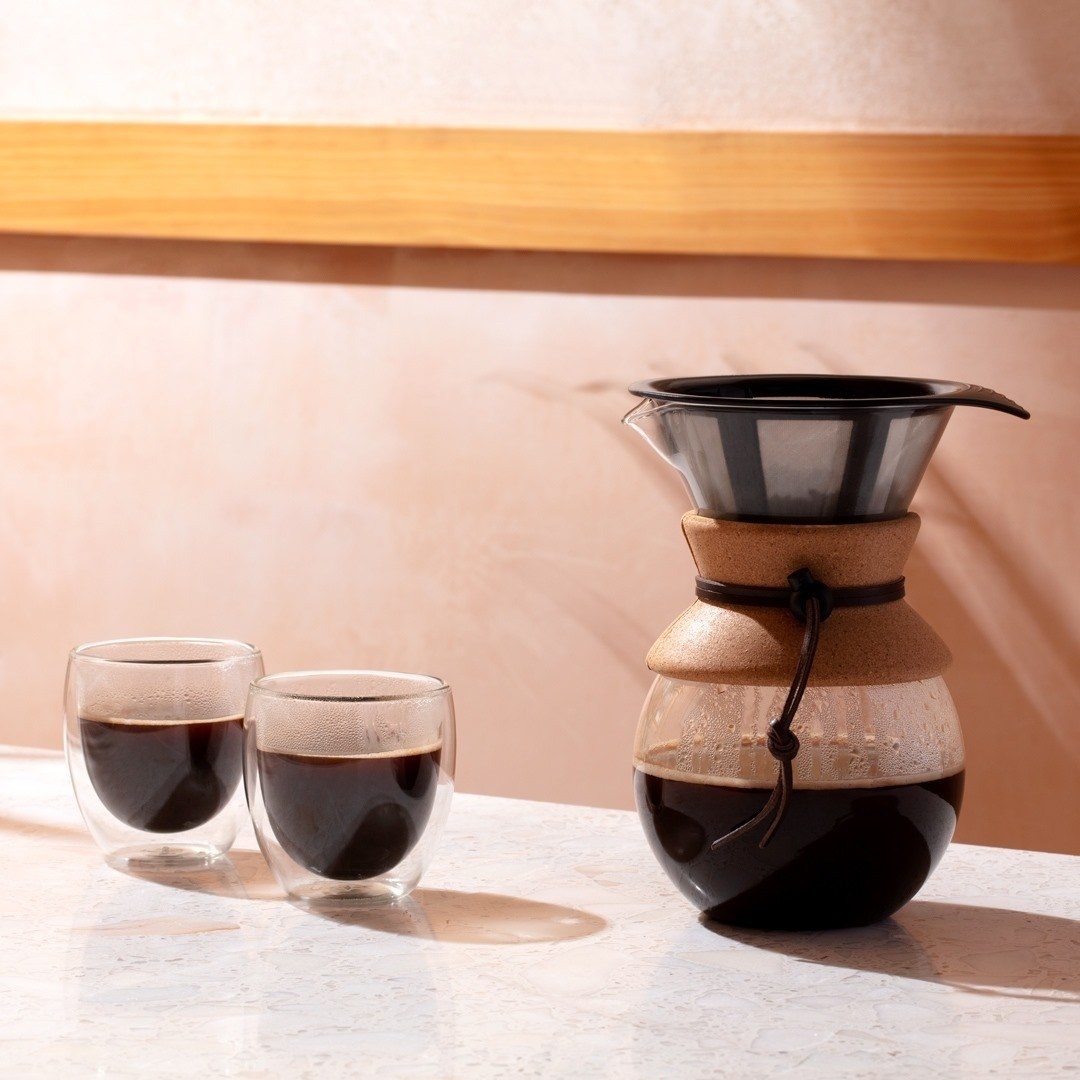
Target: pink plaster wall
{"x": 414, "y": 459}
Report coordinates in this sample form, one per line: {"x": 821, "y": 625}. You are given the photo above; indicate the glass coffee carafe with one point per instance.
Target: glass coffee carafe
{"x": 799, "y": 762}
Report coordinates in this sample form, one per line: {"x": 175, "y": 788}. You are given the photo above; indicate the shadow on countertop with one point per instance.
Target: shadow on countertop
{"x": 446, "y": 915}
{"x": 469, "y": 918}
{"x": 983, "y": 950}
{"x": 241, "y": 875}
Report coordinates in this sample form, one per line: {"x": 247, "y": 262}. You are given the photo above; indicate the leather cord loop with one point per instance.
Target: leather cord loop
{"x": 804, "y": 587}
{"x": 722, "y": 592}
{"x": 811, "y": 601}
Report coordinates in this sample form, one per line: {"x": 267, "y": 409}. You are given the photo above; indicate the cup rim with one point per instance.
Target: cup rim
{"x": 263, "y": 685}
{"x": 244, "y": 651}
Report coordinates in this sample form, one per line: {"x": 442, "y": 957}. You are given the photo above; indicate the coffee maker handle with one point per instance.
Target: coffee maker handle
{"x": 988, "y": 399}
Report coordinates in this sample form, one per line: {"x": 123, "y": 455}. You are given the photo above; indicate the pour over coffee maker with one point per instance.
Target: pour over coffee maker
{"x": 798, "y": 762}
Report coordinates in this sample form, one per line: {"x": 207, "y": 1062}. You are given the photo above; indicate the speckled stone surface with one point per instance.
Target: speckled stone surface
{"x": 544, "y": 941}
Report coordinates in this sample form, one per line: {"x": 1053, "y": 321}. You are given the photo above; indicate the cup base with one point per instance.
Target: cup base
{"x": 328, "y": 894}
{"x": 165, "y": 857}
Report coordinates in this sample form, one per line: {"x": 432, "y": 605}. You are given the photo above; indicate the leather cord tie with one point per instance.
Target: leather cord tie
{"x": 811, "y": 602}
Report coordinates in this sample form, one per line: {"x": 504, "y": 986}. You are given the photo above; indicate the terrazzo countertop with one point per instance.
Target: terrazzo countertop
{"x": 544, "y": 941}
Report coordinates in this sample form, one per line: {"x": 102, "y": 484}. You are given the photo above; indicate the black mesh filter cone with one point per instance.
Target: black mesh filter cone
{"x": 818, "y": 449}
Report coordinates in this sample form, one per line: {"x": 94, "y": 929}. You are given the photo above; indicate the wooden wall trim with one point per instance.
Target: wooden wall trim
{"x": 975, "y": 197}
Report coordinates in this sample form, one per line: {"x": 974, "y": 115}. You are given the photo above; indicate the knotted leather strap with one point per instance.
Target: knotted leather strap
{"x": 812, "y": 602}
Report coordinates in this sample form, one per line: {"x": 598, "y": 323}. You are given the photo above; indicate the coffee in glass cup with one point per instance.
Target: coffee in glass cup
{"x": 349, "y": 776}
{"x": 154, "y": 743}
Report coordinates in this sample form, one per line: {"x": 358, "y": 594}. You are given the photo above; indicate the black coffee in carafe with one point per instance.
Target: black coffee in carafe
{"x": 846, "y": 856}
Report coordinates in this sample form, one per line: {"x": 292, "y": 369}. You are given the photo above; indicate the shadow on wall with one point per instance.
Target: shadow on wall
{"x": 1016, "y": 660}
{"x": 972, "y": 284}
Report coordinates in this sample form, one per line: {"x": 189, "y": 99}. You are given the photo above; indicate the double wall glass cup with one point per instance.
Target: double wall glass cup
{"x": 349, "y": 776}
{"x": 154, "y": 743}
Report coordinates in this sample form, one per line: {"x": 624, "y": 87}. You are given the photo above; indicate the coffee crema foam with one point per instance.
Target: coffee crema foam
{"x": 159, "y": 721}
{"x": 282, "y": 747}
{"x": 662, "y": 761}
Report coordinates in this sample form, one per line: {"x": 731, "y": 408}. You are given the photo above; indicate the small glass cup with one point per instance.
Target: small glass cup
{"x": 349, "y": 776}
{"x": 154, "y": 743}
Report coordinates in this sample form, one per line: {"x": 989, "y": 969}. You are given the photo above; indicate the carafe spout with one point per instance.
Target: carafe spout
{"x": 644, "y": 418}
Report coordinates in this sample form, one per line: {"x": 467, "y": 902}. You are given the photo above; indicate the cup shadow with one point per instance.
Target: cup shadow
{"x": 984, "y": 950}
{"x": 468, "y": 918}
{"x": 241, "y": 875}
{"x": 446, "y": 915}
{"x": 42, "y": 829}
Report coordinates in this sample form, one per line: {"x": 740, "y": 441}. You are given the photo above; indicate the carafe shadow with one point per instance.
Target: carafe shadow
{"x": 982, "y": 950}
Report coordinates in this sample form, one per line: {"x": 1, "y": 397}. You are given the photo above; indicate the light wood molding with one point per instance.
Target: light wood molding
{"x": 1000, "y": 197}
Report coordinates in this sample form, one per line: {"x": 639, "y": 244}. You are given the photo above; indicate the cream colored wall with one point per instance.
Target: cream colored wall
{"x": 965, "y": 65}
{"x": 414, "y": 458}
